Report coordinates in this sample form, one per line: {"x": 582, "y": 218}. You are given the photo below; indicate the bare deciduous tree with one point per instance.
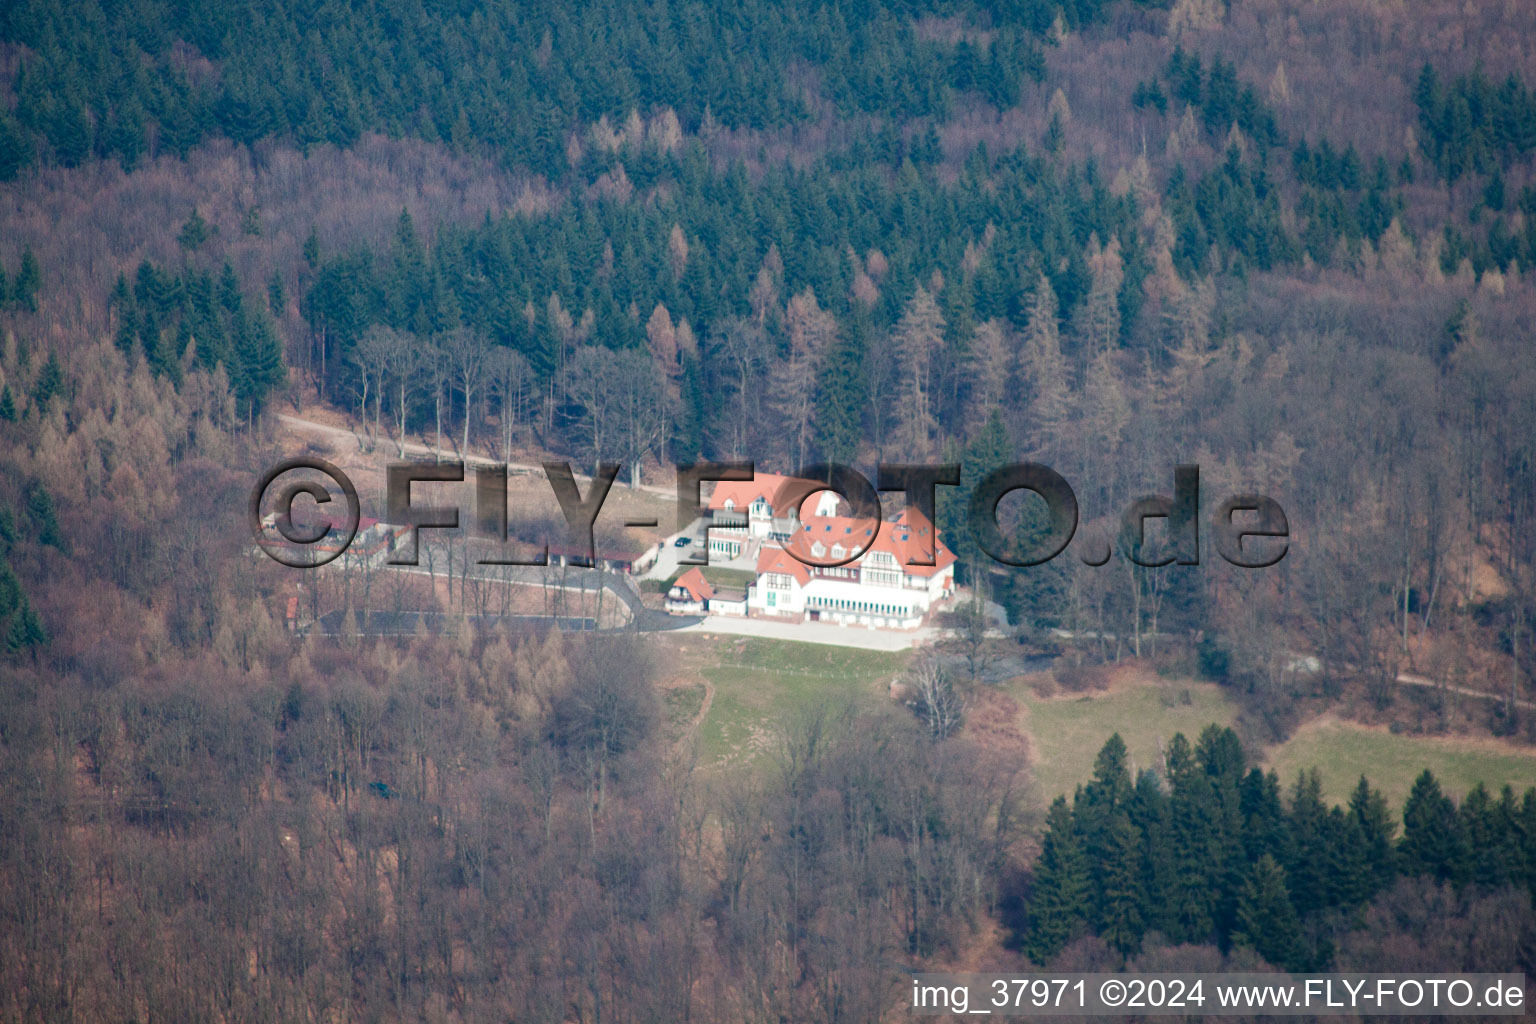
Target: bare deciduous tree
{"x": 938, "y": 703}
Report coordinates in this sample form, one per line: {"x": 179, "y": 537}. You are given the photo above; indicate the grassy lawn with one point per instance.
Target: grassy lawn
{"x": 758, "y": 681}
{"x": 739, "y": 578}
{"x": 1067, "y": 731}
{"x": 1343, "y": 751}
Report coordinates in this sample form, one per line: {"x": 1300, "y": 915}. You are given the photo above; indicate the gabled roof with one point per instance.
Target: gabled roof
{"x": 780, "y": 561}
{"x": 903, "y": 538}
{"x": 742, "y": 493}
{"x": 697, "y": 586}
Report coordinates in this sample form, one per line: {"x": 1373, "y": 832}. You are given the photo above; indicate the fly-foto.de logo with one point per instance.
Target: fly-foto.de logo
{"x": 1250, "y": 531}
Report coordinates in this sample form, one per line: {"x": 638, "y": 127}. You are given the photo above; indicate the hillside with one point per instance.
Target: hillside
{"x": 1292, "y": 243}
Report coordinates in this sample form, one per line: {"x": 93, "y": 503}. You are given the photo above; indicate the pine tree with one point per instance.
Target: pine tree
{"x": 1371, "y": 813}
{"x": 7, "y": 404}
{"x": 840, "y": 401}
{"x": 1121, "y": 897}
{"x": 50, "y": 381}
{"x": 70, "y": 132}
{"x": 1263, "y": 814}
{"x": 26, "y": 631}
{"x": 1036, "y": 594}
{"x": 10, "y": 589}
{"x": 29, "y": 281}
{"x": 1058, "y": 907}
{"x": 1306, "y": 857}
{"x": 276, "y": 295}
{"x": 1492, "y": 837}
{"x": 1266, "y": 919}
{"x": 258, "y": 361}
{"x": 1432, "y": 842}
{"x": 194, "y": 232}
{"x": 15, "y": 146}
{"x": 45, "y": 524}
{"x": 989, "y": 450}
{"x": 1194, "y": 854}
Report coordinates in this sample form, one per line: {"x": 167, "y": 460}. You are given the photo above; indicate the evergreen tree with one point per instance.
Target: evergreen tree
{"x": 194, "y": 232}
{"x": 312, "y": 248}
{"x": 7, "y": 404}
{"x": 258, "y": 362}
{"x": 1036, "y": 594}
{"x": 1370, "y": 811}
{"x": 1266, "y": 920}
{"x": 45, "y": 524}
{"x": 26, "y": 630}
{"x": 1263, "y": 815}
{"x": 1432, "y": 842}
{"x": 29, "y": 281}
{"x": 840, "y": 401}
{"x": 70, "y": 131}
{"x": 1150, "y": 812}
{"x": 15, "y": 147}
{"x": 50, "y": 381}
{"x": 10, "y": 589}
{"x": 1307, "y": 855}
{"x": 1196, "y": 857}
{"x": 277, "y": 300}
{"x": 1058, "y": 907}
{"x": 1121, "y": 896}
{"x": 1491, "y": 829}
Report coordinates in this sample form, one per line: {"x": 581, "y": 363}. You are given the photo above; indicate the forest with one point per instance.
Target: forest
{"x": 1291, "y": 243}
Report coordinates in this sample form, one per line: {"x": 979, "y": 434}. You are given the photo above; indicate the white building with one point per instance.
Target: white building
{"x": 879, "y": 586}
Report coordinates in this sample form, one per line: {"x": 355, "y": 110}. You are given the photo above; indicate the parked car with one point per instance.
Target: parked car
{"x": 682, "y": 541}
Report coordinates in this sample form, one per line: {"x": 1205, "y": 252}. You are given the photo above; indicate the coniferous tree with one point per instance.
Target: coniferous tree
{"x": 15, "y": 147}
{"x": 50, "y": 381}
{"x": 26, "y": 630}
{"x": 1195, "y": 852}
{"x": 840, "y": 401}
{"x": 1121, "y": 895}
{"x": 194, "y": 232}
{"x": 7, "y": 404}
{"x": 1266, "y": 920}
{"x": 29, "y": 281}
{"x": 1307, "y": 856}
{"x": 1432, "y": 842}
{"x": 1113, "y": 846}
{"x": 1491, "y": 832}
{"x": 45, "y": 524}
{"x": 1371, "y": 814}
{"x": 277, "y": 300}
{"x": 1263, "y": 815}
{"x": 1058, "y": 907}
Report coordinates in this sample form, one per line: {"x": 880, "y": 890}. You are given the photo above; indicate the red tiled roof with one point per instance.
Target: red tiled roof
{"x": 904, "y": 539}
{"x": 742, "y": 493}
{"x": 697, "y": 586}
{"x": 781, "y": 561}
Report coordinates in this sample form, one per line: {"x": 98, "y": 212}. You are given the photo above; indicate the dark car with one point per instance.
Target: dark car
{"x": 682, "y": 541}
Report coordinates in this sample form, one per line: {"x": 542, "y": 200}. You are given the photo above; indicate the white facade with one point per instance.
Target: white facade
{"x": 881, "y": 588}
